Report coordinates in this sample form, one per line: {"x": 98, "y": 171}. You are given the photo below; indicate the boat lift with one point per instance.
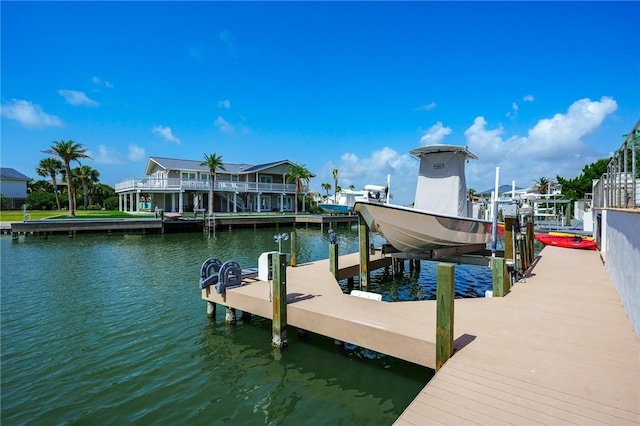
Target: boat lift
{"x": 223, "y": 275}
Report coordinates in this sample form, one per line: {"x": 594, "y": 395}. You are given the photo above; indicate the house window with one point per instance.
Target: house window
{"x": 235, "y": 178}
{"x": 186, "y": 175}
{"x": 286, "y": 205}
{"x": 204, "y": 176}
{"x": 266, "y": 179}
{"x": 265, "y": 204}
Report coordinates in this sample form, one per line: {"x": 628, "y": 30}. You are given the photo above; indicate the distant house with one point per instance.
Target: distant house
{"x": 13, "y": 184}
{"x": 175, "y": 185}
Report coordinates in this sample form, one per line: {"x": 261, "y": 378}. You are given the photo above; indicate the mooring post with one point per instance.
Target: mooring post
{"x": 509, "y": 247}
{"x": 230, "y": 315}
{"x": 364, "y": 252}
{"x": 333, "y": 259}
{"x": 279, "y": 324}
{"x": 445, "y": 294}
{"x": 500, "y": 277}
{"x": 211, "y": 309}
{"x": 294, "y": 248}
{"x": 531, "y": 238}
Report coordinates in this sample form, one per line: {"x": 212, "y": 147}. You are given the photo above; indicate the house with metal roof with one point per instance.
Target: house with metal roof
{"x": 175, "y": 185}
{"x": 13, "y": 184}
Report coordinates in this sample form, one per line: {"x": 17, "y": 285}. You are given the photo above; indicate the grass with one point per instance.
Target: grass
{"x": 18, "y": 215}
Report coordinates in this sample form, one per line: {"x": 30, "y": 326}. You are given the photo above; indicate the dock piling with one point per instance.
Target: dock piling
{"x": 364, "y": 251}
{"x": 211, "y": 310}
{"x": 445, "y": 293}
{"x": 294, "y": 248}
{"x": 230, "y": 315}
{"x": 279, "y": 326}
{"x": 333, "y": 259}
{"x": 501, "y": 281}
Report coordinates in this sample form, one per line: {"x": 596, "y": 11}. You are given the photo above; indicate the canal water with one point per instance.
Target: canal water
{"x": 111, "y": 330}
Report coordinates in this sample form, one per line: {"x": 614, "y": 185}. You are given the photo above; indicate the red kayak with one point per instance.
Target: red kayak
{"x": 566, "y": 241}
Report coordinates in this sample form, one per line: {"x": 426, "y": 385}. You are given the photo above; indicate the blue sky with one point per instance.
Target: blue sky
{"x": 538, "y": 89}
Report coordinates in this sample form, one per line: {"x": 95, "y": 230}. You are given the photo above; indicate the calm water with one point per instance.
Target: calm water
{"x": 112, "y": 330}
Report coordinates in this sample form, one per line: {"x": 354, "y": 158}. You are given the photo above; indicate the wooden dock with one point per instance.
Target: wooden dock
{"x": 185, "y": 223}
{"x": 85, "y": 225}
{"x": 557, "y": 349}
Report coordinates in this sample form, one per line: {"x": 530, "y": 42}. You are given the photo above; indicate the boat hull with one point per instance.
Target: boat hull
{"x": 336, "y": 208}
{"x": 566, "y": 241}
{"x": 413, "y": 231}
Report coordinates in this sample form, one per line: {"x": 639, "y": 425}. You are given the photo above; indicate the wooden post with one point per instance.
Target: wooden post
{"x": 509, "y": 224}
{"x": 294, "y": 248}
{"x": 531, "y": 238}
{"x": 500, "y": 277}
{"x": 211, "y": 309}
{"x": 364, "y": 252}
{"x": 445, "y": 295}
{"x": 279, "y": 324}
{"x": 333, "y": 259}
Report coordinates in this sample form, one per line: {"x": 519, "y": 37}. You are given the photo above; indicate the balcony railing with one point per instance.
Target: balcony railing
{"x": 177, "y": 184}
{"x": 620, "y": 186}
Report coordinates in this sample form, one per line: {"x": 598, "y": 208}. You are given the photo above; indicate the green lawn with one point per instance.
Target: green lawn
{"x": 18, "y": 215}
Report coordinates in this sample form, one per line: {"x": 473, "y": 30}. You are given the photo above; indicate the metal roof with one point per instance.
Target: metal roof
{"x": 9, "y": 173}
{"x": 233, "y": 168}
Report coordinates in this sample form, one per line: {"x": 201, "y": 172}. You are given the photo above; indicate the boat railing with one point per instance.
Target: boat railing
{"x": 619, "y": 187}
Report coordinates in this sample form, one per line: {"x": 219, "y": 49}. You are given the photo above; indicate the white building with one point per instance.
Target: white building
{"x": 175, "y": 185}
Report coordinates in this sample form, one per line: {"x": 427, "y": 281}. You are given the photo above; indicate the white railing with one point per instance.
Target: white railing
{"x": 619, "y": 187}
{"x": 156, "y": 184}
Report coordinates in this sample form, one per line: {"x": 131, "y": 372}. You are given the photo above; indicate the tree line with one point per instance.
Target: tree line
{"x": 47, "y": 195}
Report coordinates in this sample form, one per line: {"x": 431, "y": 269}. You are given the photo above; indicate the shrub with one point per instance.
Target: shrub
{"x": 41, "y": 201}
{"x": 111, "y": 203}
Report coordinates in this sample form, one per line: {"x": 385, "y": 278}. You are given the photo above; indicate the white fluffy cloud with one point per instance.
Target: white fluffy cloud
{"x": 563, "y": 134}
{"x": 28, "y": 114}
{"x": 224, "y": 126}
{"x": 136, "y": 153}
{"x": 226, "y": 104}
{"x": 98, "y": 81}
{"x": 105, "y": 155}
{"x": 435, "y": 134}
{"x": 554, "y": 146}
{"x": 77, "y": 98}
{"x": 374, "y": 169}
{"x": 165, "y": 132}
{"x": 427, "y": 107}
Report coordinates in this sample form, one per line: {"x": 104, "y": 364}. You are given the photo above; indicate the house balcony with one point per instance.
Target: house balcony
{"x": 178, "y": 185}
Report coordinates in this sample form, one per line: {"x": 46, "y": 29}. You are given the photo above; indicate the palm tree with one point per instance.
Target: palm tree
{"x": 326, "y": 187}
{"x": 86, "y": 176}
{"x": 299, "y": 174}
{"x": 335, "y": 185}
{"x": 472, "y": 194}
{"x": 68, "y": 151}
{"x": 51, "y": 167}
{"x": 352, "y": 187}
{"x": 542, "y": 185}
{"x": 214, "y": 163}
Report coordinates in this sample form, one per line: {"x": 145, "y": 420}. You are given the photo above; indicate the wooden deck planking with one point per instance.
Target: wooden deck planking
{"x": 558, "y": 349}
{"x": 316, "y": 303}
